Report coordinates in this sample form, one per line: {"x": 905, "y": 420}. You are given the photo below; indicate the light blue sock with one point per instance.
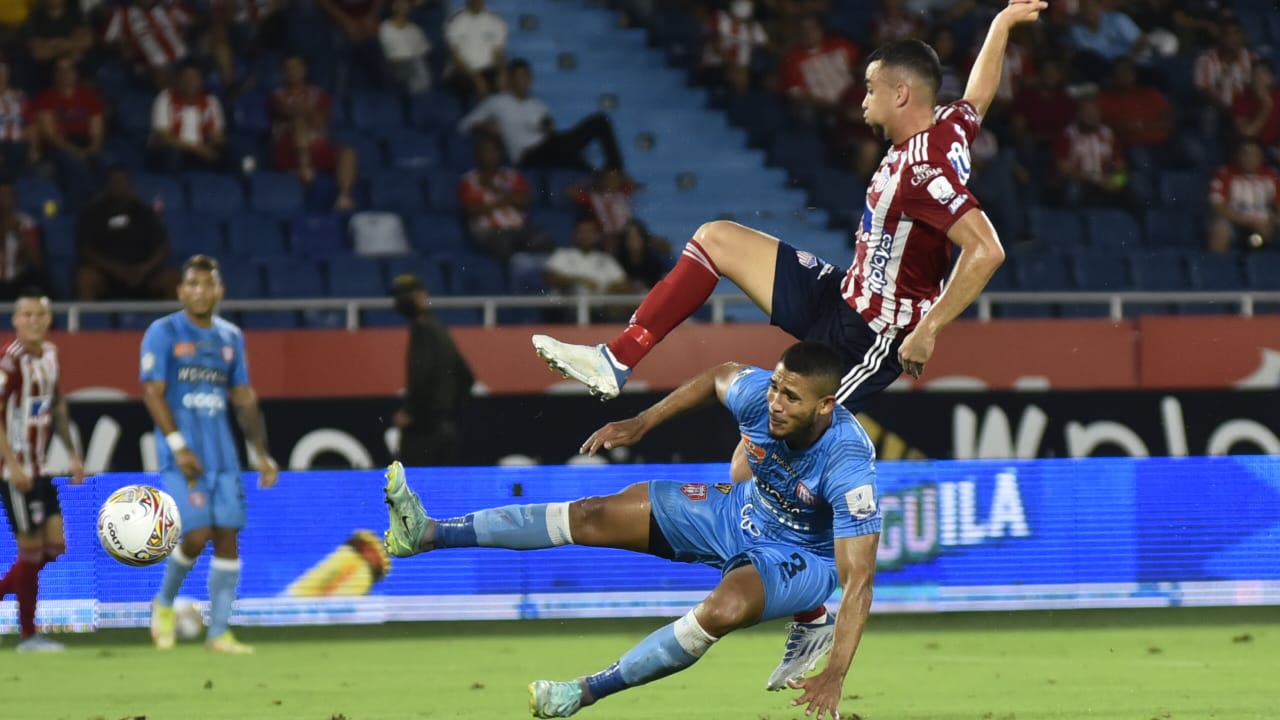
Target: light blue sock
{"x": 515, "y": 527}
{"x": 667, "y": 650}
{"x": 175, "y": 571}
{"x": 224, "y": 575}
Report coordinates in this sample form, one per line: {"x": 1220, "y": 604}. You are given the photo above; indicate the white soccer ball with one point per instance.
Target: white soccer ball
{"x": 188, "y": 622}
{"x": 139, "y": 525}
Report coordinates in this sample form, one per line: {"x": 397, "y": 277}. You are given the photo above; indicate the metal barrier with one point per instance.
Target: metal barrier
{"x": 1241, "y": 302}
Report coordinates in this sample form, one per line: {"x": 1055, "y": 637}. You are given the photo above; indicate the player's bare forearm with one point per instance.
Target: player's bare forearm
{"x": 980, "y": 256}
{"x": 6, "y": 450}
{"x": 158, "y": 407}
{"x": 702, "y": 389}
{"x": 984, "y": 78}
{"x": 249, "y": 416}
{"x": 856, "y": 564}
{"x": 62, "y": 425}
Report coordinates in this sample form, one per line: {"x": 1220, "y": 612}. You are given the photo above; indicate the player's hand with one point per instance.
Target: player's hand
{"x": 821, "y": 694}
{"x": 19, "y": 478}
{"x": 268, "y": 472}
{"x": 915, "y": 351}
{"x": 401, "y": 419}
{"x": 1022, "y": 11}
{"x": 615, "y": 434}
{"x": 189, "y": 464}
{"x": 77, "y": 471}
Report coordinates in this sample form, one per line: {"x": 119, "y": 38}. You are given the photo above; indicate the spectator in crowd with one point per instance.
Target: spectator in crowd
{"x": 1091, "y": 168}
{"x": 300, "y": 130}
{"x": 123, "y": 247}
{"x": 606, "y": 196}
{"x": 152, "y": 34}
{"x": 405, "y": 48}
{"x": 243, "y": 28}
{"x": 495, "y": 200}
{"x": 1139, "y": 114}
{"x": 852, "y": 141}
{"x": 1220, "y": 73}
{"x": 943, "y": 42}
{"x": 70, "y": 128}
{"x": 585, "y": 268}
{"x": 732, "y": 36}
{"x": 1041, "y": 112}
{"x": 21, "y": 262}
{"x": 16, "y": 149}
{"x": 1244, "y": 198}
{"x": 818, "y": 71}
{"x": 357, "y": 24}
{"x": 1100, "y": 37}
{"x": 1256, "y": 110}
{"x": 437, "y": 383}
{"x": 477, "y": 48}
{"x": 187, "y": 125}
{"x": 641, "y": 256}
{"x": 528, "y": 133}
{"x": 56, "y": 30}
{"x": 895, "y": 23}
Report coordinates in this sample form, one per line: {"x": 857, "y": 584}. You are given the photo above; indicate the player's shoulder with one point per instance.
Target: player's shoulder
{"x": 848, "y": 440}
{"x": 11, "y": 359}
{"x": 165, "y": 323}
{"x": 227, "y": 328}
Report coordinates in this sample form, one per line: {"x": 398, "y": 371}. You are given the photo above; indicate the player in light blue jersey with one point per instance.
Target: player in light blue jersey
{"x": 806, "y": 524}
{"x": 193, "y": 365}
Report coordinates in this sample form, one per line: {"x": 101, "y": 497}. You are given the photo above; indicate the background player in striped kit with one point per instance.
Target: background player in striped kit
{"x": 193, "y": 363}
{"x": 33, "y": 405}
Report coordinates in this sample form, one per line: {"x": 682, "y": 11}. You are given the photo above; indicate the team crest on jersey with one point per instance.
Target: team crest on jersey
{"x": 228, "y": 353}
{"x": 807, "y": 258}
{"x": 694, "y": 491}
{"x": 197, "y": 498}
{"x": 942, "y": 190}
{"x": 805, "y": 495}
{"x": 755, "y": 451}
{"x": 724, "y": 488}
{"x": 148, "y": 362}
{"x": 184, "y": 349}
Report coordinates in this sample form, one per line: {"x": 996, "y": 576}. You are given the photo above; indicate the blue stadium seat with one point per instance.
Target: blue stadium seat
{"x": 1263, "y": 270}
{"x": 528, "y": 273}
{"x": 1112, "y": 229}
{"x": 555, "y": 222}
{"x": 356, "y": 277}
{"x": 58, "y": 237}
{"x": 290, "y": 278}
{"x": 1101, "y": 272}
{"x": 459, "y": 153}
{"x": 194, "y": 235}
{"x": 242, "y": 278}
{"x": 317, "y": 236}
{"x": 429, "y": 271}
{"x": 474, "y": 274}
{"x": 396, "y": 192}
{"x": 1169, "y": 228}
{"x": 442, "y": 191}
{"x": 35, "y": 193}
{"x": 759, "y": 113}
{"x": 1186, "y": 191}
{"x": 412, "y": 152}
{"x": 133, "y": 112}
{"x": 369, "y": 156}
{"x": 269, "y": 320}
{"x": 1057, "y": 230}
{"x": 255, "y": 236}
{"x": 214, "y": 194}
{"x": 61, "y": 271}
{"x": 136, "y": 321}
{"x": 374, "y": 112}
{"x": 797, "y": 149}
{"x": 431, "y": 233}
{"x": 1216, "y": 272}
{"x": 1160, "y": 271}
{"x": 1044, "y": 273}
{"x": 249, "y": 112}
{"x": 552, "y": 190}
{"x": 837, "y": 190}
{"x": 278, "y": 194}
{"x": 162, "y": 190}
{"x": 435, "y": 111}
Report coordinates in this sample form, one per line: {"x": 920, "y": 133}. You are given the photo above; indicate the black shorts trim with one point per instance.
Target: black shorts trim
{"x": 28, "y": 511}
{"x": 658, "y": 543}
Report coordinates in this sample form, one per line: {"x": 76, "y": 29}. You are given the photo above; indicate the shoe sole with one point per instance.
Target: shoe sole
{"x": 533, "y": 699}
{"x": 809, "y": 668}
{"x": 592, "y": 387}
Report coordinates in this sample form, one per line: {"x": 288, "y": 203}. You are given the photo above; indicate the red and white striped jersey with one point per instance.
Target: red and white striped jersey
{"x": 903, "y": 253}
{"x": 1222, "y": 77}
{"x": 28, "y": 386}
{"x": 735, "y": 38}
{"x": 1093, "y": 153}
{"x": 193, "y": 121}
{"x": 153, "y": 32}
{"x": 1254, "y": 195}
{"x": 13, "y": 116}
{"x": 19, "y": 243}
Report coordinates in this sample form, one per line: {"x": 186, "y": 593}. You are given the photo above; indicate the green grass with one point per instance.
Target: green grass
{"x": 1177, "y": 664}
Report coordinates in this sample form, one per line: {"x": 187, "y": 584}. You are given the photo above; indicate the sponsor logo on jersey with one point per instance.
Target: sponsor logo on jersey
{"x": 212, "y": 403}
{"x": 955, "y": 204}
{"x": 694, "y": 491}
{"x": 777, "y": 499}
{"x": 807, "y": 258}
{"x": 879, "y": 261}
{"x": 756, "y": 452}
{"x": 724, "y": 488}
{"x": 184, "y": 349}
{"x": 941, "y": 190}
{"x": 198, "y": 374}
{"x": 148, "y": 362}
{"x": 921, "y": 174}
{"x": 805, "y": 495}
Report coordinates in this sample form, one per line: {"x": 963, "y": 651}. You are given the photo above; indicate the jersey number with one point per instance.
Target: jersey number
{"x": 792, "y": 568}
{"x": 958, "y": 155}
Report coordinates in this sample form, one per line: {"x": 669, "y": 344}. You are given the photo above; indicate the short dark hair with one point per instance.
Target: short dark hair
{"x": 33, "y": 293}
{"x": 915, "y": 57}
{"x": 203, "y": 263}
{"x": 519, "y": 64}
{"x": 815, "y": 360}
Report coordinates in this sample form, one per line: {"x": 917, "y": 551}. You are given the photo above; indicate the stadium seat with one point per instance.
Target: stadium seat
{"x": 1169, "y": 228}
{"x": 759, "y": 113}
{"x": 1044, "y": 273}
{"x": 355, "y": 277}
{"x": 396, "y": 192}
{"x": 133, "y": 112}
{"x": 255, "y": 236}
{"x": 1157, "y": 272}
{"x": 552, "y": 191}
{"x": 35, "y": 194}
{"x": 269, "y": 320}
{"x": 376, "y": 113}
{"x": 136, "y": 321}
{"x": 528, "y": 273}
{"x": 429, "y": 271}
{"x": 793, "y": 149}
{"x": 194, "y": 234}
{"x": 436, "y": 233}
{"x": 1056, "y": 230}
{"x": 370, "y": 159}
{"x": 557, "y": 223}
{"x": 412, "y": 152}
{"x": 277, "y": 194}
{"x": 459, "y": 153}
{"x": 214, "y": 194}
{"x": 1216, "y": 272}
{"x": 838, "y": 190}
{"x": 317, "y": 236}
{"x": 1111, "y": 229}
{"x": 1262, "y": 269}
{"x": 474, "y": 274}
{"x": 242, "y": 278}
{"x": 291, "y": 278}
{"x": 436, "y": 111}
{"x": 161, "y": 191}
{"x": 58, "y": 237}
{"x": 442, "y": 191}
{"x": 1101, "y": 272}
{"x": 1186, "y": 191}
{"x": 249, "y": 112}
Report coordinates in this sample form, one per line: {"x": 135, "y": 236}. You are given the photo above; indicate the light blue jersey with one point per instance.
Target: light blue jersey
{"x": 803, "y": 497}
{"x": 198, "y": 366}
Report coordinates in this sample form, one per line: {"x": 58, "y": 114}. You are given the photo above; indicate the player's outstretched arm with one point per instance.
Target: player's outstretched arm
{"x": 162, "y": 416}
{"x": 856, "y": 563}
{"x": 245, "y": 401}
{"x": 702, "y": 389}
{"x": 984, "y": 78}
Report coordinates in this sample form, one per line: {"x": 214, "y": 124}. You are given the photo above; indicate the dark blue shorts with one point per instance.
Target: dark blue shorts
{"x": 807, "y": 304}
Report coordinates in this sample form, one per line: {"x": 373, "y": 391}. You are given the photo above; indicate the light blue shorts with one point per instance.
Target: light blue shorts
{"x": 215, "y": 500}
{"x": 703, "y": 524}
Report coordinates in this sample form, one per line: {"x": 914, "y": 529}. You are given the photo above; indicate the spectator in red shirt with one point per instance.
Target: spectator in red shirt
{"x": 1042, "y": 109}
{"x": 151, "y": 33}
{"x": 1139, "y": 114}
{"x": 896, "y": 23}
{"x": 70, "y": 128}
{"x": 731, "y": 36}
{"x": 1220, "y": 72}
{"x": 606, "y": 197}
{"x": 21, "y": 265}
{"x": 300, "y": 128}
{"x": 16, "y": 150}
{"x": 1091, "y": 168}
{"x": 187, "y": 126}
{"x": 1257, "y": 110}
{"x": 1245, "y": 200}
{"x": 495, "y": 199}
{"x": 819, "y": 70}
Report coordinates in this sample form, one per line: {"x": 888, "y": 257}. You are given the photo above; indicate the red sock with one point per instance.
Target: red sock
{"x": 675, "y": 298}
{"x": 6, "y": 582}
{"x": 808, "y": 617}
{"x": 25, "y": 585}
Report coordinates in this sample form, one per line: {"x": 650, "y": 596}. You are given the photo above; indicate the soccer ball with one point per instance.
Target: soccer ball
{"x": 188, "y": 622}
{"x": 139, "y": 525}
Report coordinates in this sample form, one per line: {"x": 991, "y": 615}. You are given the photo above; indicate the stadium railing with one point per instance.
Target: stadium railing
{"x": 1240, "y": 302}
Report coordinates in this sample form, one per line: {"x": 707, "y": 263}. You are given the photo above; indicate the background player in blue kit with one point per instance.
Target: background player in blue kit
{"x": 806, "y": 524}
{"x": 193, "y": 363}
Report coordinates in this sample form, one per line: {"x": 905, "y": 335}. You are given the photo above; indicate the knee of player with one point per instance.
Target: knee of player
{"x": 712, "y": 236}
{"x": 724, "y": 613}
{"x": 586, "y": 517}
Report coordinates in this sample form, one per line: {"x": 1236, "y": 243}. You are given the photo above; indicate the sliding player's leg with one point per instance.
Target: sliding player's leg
{"x": 718, "y": 249}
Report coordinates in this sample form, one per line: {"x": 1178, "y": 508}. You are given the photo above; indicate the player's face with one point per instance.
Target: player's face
{"x": 878, "y": 103}
{"x": 200, "y": 292}
{"x": 31, "y": 318}
{"x": 794, "y": 404}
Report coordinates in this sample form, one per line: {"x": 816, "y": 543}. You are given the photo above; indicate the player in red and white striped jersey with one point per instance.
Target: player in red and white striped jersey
{"x": 33, "y": 406}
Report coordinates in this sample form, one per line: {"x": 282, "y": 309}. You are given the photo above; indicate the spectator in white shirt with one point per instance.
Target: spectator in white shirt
{"x": 528, "y": 133}
{"x": 477, "y": 46}
{"x": 405, "y": 47}
{"x": 187, "y": 126}
{"x": 585, "y": 269}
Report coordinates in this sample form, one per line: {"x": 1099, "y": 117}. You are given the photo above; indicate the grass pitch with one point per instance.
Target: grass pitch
{"x": 1171, "y": 664}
